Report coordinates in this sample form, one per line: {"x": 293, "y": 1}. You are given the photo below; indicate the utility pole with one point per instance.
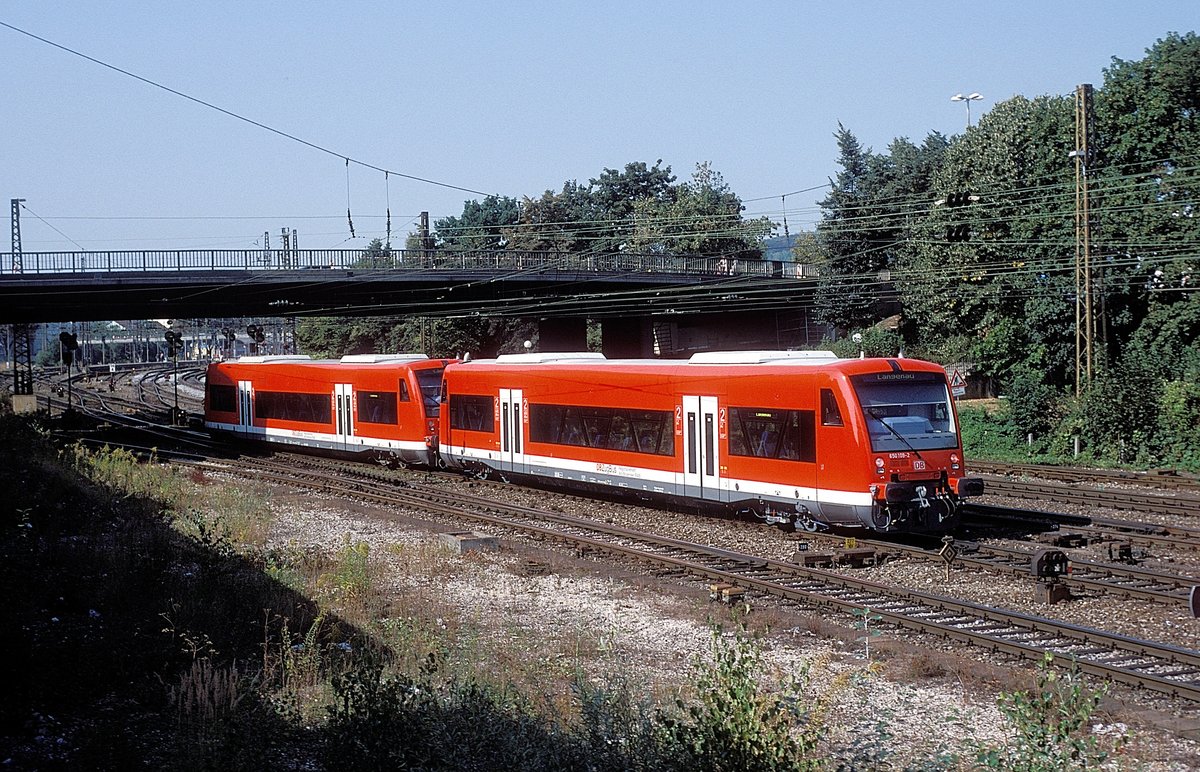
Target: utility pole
{"x": 424, "y": 240}
{"x": 286, "y": 254}
{"x": 1085, "y": 325}
{"x": 21, "y": 348}
{"x": 424, "y": 230}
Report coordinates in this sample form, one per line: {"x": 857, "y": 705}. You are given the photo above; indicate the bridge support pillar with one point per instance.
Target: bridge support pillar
{"x": 568, "y": 334}
{"x": 621, "y": 338}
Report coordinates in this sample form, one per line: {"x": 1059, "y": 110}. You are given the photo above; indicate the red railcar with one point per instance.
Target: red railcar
{"x": 794, "y": 437}
{"x": 383, "y": 405}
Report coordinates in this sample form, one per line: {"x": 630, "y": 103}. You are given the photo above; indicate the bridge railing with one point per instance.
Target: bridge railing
{"x": 395, "y": 260}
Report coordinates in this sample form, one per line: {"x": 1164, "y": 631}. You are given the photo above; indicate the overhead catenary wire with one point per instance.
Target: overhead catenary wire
{"x": 664, "y": 237}
{"x": 238, "y": 116}
{"x": 51, "y": 227}
{"x": 867, "y": 213}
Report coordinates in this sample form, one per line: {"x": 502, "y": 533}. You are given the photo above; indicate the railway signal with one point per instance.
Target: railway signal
{"x": 957, "y": 232}
{"x": 230, "y": 337}
{"x": 257, "y": 336}
{"x": 68, "y": 346}
{"x": 1047, "y": 566}
{"x": 174, "y": 343}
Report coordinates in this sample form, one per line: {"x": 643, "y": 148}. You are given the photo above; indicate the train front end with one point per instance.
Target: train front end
{"x": 914, "y": 450}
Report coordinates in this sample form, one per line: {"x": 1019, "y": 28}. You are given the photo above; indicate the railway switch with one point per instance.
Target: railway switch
{"x": 813, "y": 559}
{"x": 1122, "y": 553}
{"x": 858, "y": 557}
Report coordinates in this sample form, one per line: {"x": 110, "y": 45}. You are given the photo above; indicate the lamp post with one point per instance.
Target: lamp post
{"x": 969, "y": 98}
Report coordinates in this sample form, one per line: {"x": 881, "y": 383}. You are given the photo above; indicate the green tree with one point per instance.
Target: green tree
{"x": 480, "y": 336}
{"x": 846, "y": 290}
{"x": 376, "y": 255}
{"x": 482, "y": 224}
{"x": 1007, "y": 187}
{"x": 808, "y": 251}
{"x": 617, "y": 194}
{"x": 559, "y": 222}
{"x": 704, "y": 218}
{"x": 1146, "y": 190}
{"x": 332, "y": 337}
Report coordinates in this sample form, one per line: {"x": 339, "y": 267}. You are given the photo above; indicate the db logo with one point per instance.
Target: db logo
{"x": 918, "y": 464}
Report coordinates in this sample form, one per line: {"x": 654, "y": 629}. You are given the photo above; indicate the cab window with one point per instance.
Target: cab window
{"x": 831, "y": 415}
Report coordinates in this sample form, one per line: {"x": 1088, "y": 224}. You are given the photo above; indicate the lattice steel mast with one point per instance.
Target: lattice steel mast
{"x": 22, "y": 350}
{"x": 1085, "y": 324}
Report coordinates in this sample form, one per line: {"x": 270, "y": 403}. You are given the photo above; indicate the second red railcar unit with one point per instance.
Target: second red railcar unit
{"x": 795, "y": 437}
{"x": 382, "y": 405}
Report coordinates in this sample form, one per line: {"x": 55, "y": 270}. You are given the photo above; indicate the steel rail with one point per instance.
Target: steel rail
{"x": 1108, "y": 578}
{"x": 1160, "y": 667}
{"x": 1167, "y": 478}
{"x": 1135, "y": 501}
{"x": 1171, "y": 537}
{"x": 1127, "y": 581}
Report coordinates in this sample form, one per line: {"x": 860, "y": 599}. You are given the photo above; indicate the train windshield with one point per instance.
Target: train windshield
{"x": 906, "y": 411}
{"x": 430, "y": 382}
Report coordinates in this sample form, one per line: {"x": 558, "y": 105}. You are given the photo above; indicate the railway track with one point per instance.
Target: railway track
{"x": 1121, "y": 580}
{"x": 1084, "y": 575}
{"x": 1164, "y": 478}
{"x": 1092, "y": 575}
{"x": 1134, "y": 501}
{"x": 1084, "y": 527}
{"x": 1167, "y": 669}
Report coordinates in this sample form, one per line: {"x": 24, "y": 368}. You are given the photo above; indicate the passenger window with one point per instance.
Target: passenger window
{"x": 764, "y": 433}
{"x": 831, "y": 415}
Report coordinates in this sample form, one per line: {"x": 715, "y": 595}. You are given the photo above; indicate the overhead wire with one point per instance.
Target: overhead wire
{"x": 238, "y": 116}
{"x": 51, "y": 227}
{"x": 347, "y": 159}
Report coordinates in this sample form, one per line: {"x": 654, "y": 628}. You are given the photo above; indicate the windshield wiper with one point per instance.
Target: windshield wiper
{"x": 871, "y": 412}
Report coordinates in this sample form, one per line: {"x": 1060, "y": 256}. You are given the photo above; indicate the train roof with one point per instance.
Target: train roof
{"x": 303, "y": 360}
{"x": 705, "y": 359}
{"x": 699, "y": 358}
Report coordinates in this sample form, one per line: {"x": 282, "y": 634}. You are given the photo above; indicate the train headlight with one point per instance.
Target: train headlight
{"x": 879, "y": 465}
{"x": 954, "y": 461}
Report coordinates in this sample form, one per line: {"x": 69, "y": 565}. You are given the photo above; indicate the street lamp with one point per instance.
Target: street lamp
{"x": 969, "y": 98}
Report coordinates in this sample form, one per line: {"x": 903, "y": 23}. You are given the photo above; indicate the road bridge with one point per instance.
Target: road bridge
{"x": 238, "y": 283}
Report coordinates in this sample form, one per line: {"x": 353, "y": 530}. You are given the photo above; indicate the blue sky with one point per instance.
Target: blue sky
{"x": 510, "y": 98}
